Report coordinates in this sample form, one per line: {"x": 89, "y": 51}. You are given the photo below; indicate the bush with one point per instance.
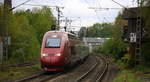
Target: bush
{"x": 26, "y": 29}
{"x": 107, "y": 47}
{"x": 126, "y": 76}
{"x": 116, "y": 48}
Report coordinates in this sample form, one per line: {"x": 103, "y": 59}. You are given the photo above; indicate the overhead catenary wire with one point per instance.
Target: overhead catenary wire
{"x": 105, "y": 19}
{"x": 20, "y": 4}
{"x": 97, "y": 15}
{"x": 104, "y": 8}
{"x": 100, "y": 8}
{"x": 42, "y": 5}
{"x": 132, "y": 12}
{"x": 94, "y": 10}
{"x": 107, "y": 8}
{"x": 120, "y": 4}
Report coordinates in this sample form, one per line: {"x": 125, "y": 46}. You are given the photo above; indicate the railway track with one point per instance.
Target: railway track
{"x": 100, "y": 65}
{"x": 100, "y": 78}
{"x": 20, "y": 64}
{"x": 99, "y": 75}
{"x": 37, "y": 77}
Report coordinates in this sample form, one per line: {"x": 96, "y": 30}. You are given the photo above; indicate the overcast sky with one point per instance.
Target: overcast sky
{"x": 79, "y": 11}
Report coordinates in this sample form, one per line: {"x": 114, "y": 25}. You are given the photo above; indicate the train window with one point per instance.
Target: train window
{"x": 53, "y": 42}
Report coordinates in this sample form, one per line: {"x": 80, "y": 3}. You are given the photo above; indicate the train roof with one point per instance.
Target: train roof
{"x": 61, "y": 32}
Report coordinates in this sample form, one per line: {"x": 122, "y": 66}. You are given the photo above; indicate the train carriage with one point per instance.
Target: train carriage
{"x": 56, "y": 50}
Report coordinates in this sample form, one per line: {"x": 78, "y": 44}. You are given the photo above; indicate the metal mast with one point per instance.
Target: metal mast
{"x": 138, "y": 44}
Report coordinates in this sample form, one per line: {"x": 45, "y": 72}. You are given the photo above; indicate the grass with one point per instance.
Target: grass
{"x": 127, "y": 76}
{"x": 18, "y": 72}
{"x": 142, "y": 68}
{"x": 135, "y": 74}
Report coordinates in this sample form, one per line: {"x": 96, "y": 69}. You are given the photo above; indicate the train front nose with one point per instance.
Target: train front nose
{"x": 53, "y": 60}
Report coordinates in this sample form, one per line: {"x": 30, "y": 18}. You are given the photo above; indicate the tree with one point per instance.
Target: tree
{"x": 146, "y": 40}
{"x": 100, "y": 30}
{"x": 26, "y": 29}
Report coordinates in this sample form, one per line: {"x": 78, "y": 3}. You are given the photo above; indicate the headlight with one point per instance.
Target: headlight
{"x": 57, "y": 54}
{"x": 44, "y": 54}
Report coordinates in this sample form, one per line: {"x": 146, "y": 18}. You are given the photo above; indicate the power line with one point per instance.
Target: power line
{"x": 94, "y": 10}
{"x": 42, "y": 5}
{"x": 105, "y": 19}
{"x": 97, "y": 15}
{"x": 120, "y": 4}
{"x": 20, "y": 4}
{"x": 104, "y": 8}
{"x": 124, "y": 7}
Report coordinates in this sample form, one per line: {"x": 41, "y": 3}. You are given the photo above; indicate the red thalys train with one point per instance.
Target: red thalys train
{"x": 56, "y": 50}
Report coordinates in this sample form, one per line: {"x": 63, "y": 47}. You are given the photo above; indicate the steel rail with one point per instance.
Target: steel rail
{"x": 100, "y": 78}
{"x": 34, "y": 77}
{"x": 100, "y": 75}
{"x": 85, "y": 74}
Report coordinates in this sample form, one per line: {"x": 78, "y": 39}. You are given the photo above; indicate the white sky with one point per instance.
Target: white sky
{"x": 79, "y": 11}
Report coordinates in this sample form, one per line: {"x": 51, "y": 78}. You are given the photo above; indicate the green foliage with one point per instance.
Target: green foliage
{"x": 1, "y": 20}
{"x": 117, "y": 49}
{"x": 18, "y": 72}
{"x": 40, "y": 19}
{"x": 107, "y": 47}
{"x": 146, "y": 43}
{"x": 146, "y": 52}
{"x": 126, "y": 76}
{"x": 26, "y": 29}
{"x": 97, "y": 50}
{"x": 142, "y": 68}
{"x": 145, "y": 14}
{"x": 100, "y": 30}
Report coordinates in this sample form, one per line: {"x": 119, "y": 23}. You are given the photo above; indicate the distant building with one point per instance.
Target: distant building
{"x": 93, "y": 42}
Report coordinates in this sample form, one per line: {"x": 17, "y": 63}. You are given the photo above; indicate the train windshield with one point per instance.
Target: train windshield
{"x": 53, "y": 42}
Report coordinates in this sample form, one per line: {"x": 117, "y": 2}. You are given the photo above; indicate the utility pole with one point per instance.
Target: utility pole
{"x": 135, "y": 25}
{"x": 138, "y": 44}
{"x": 58, "y": 20}
{"x": 58, "y": 16}
{"x": 4, "y": 34}
{"x": 7, "y": 12}
{"x": 66, "y": 24}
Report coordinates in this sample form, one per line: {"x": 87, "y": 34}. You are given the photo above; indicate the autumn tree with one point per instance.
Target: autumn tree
{"x": 26, "y": 29}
